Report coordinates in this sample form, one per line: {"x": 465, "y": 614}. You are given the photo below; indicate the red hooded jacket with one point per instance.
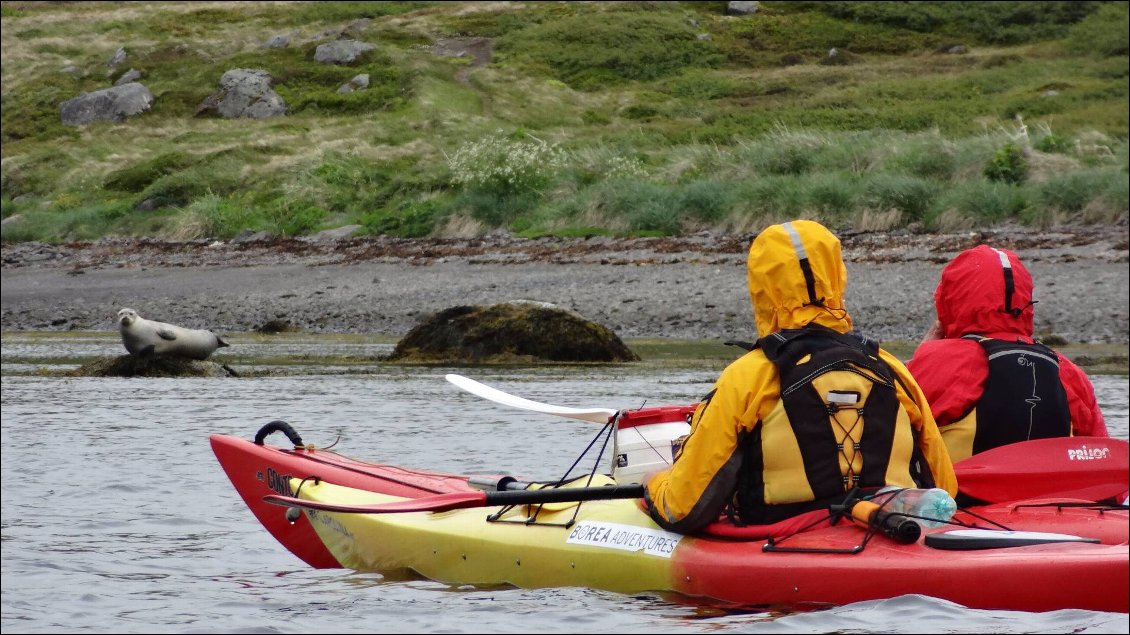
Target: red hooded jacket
{"x": 970, "y": 298}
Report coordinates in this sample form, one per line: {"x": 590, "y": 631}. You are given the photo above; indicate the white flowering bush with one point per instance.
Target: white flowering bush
{"x": 505, "y": 164}
{"x": 619, "y": 167}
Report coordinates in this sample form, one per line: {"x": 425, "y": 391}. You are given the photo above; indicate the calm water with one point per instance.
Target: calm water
{"x": 117, "y": 517}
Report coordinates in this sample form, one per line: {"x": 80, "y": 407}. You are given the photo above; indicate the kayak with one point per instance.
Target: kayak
{"x": 1034, "y": 553}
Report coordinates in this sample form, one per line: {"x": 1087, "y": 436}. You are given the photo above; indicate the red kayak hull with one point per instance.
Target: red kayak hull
{"x": 1028, "y": 578}
{"x": 259, "y": 470}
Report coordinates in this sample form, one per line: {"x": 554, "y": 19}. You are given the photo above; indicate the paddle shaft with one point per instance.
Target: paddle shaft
{"x": 561, "y": 495}
{"x": 468, "y": 500}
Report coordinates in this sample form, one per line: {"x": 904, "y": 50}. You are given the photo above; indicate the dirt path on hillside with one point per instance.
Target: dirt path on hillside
{"x": 479, "y": 50}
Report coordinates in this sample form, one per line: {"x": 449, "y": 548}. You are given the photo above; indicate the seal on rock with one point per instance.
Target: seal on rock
{"x": 144, "y": 338}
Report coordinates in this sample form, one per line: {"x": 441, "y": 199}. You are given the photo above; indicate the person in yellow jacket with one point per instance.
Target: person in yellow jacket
{"x": 811, "y": 413}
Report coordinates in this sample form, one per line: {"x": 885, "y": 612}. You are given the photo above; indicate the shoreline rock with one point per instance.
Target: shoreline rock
{"x": 509, "y": 332}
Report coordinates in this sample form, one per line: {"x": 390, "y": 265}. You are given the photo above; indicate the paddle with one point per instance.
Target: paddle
{"x": 595, "y": 415}
{"x": 1090, "y": 468}
{"x": 464, "y": 500}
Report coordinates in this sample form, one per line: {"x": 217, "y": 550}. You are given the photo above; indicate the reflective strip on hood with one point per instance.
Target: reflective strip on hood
{"x": 805, "y": 267}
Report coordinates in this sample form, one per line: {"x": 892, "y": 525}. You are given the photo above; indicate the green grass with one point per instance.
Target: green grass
{"x": 663, "y": 117}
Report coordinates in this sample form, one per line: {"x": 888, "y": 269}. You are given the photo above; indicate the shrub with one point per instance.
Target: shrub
{"x": 341, "y": 10}
{"x": 139, "y": 176}
{"x": 1053, "y": 143}
{"x": 493, "y": 208}
{"x": 353, "y": 185}
{"x": 991, "y": 22}
{"x": 834, "y": 196}
{"x": 219, "y": 217}
{"x": 595, "y": 118}
{"x": 699, "y": 85}
{"x": 505, "y": 164}
{"x": 782, "y": 152}
{"x": 73, "y": 220}
{"x": 814, "y": 34}
{"x": 929, "y": 157}
{"x": 412, "y": 219}
{"x": 640, "y": 112}
{"x": 294, "y": 220}
{"x": 705, "y": 201}
{"x": 1007, "y": 165}
{"x": 36, "y": 172}
{"x": 643, "y": 207}
{"x": 591, "y": 50}
{"x": 911, "y": 195}
{"x": 773, "y": 197}
{"x": 591, "y": 165}
{"x": 987, "y": 202}
{"x": 1073, "y": 192}
{"x": 1104, "y": 32}
{"x": 32, "y": 112}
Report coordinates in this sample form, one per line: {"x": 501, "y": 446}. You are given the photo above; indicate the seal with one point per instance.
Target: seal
{"x": 144, "y": 338}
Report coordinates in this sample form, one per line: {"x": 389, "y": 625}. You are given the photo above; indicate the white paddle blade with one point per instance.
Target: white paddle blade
{"x": 595, "y": 415}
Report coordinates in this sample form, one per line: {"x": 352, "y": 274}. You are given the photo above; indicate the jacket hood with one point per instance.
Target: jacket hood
{"x": 797, "y": 277}
{"x": 986, "y": 291}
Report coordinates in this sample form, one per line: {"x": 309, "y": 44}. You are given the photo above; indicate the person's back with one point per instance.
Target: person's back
{"x": 810, "y": 414}
{"x": 988, "y": 381}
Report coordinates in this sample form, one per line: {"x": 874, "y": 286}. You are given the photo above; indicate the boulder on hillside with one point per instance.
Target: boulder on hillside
{"x": 737, "y": 7}
{"x": 117, "y": 58}
{"x": 277, "y": 42}
{"x": 244, "y": 92}
{"x": 109, "y": 104}
{"x": 359, "y": 82}
{"x": 153, "y": 366}
{"x": 510, "y": 332}
{"x": 341, "y": 51}
{"x": 132, "y": 75}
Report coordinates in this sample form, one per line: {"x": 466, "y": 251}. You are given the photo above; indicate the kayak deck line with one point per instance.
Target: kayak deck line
{"x": 963, "y": 537}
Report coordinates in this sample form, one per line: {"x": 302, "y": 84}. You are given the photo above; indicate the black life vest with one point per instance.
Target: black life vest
{"x": 1023, "y": 397}
{"x": 818, "y": 416}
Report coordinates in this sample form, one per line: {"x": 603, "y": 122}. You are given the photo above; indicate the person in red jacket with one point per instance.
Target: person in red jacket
{"x": 988, "y": 381}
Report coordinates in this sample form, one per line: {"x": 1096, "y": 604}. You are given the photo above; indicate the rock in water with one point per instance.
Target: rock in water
{"x": 131, "y": 366}
{"x": 510, "y": 332}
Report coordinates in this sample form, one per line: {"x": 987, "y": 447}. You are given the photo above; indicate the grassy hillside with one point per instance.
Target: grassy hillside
{"x": 639, "y": 118}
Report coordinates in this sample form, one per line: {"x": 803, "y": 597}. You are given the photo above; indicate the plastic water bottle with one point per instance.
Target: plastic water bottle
{"x": 932, "y": 507}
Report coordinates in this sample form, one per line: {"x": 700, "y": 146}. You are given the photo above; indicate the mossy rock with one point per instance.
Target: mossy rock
{"x": 273, "y": 327}
{"x": 157, "y": 366}
{"x": 518, "y": 332}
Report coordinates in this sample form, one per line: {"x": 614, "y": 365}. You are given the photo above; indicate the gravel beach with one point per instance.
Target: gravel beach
{"x": 686, "y": 288}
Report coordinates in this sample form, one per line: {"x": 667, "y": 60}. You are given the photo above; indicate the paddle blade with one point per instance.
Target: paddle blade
{"x": 595, "y": 415}
{"x": 1088, "y": 468}
{"x": 439, "y": 503}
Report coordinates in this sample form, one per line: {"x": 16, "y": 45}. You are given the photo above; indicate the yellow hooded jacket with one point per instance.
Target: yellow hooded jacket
{"x": 796, "y": 278}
